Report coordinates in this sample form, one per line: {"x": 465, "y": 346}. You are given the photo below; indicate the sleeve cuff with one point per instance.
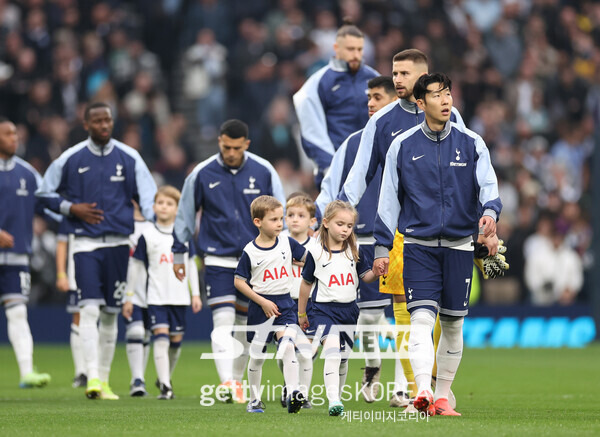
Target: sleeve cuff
{"x": 491, "y": 213}
{"x": 178, "y": 258}
{"x": 381, "y": 252}
{"x": 65, "y": 207}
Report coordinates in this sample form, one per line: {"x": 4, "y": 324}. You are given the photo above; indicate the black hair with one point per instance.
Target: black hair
{"x": 95, "y": 105}
{"x": 348, "y": 28}
{"x": 420, "y": 88}
{"x": 384, "y": 82}
{"x": 234, "y": 129}
{"x": 4, "y": 119}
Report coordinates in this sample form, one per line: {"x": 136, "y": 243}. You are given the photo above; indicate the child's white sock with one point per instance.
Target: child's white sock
{"x": 161, "y": 358}
{"x": 20, "y": 338}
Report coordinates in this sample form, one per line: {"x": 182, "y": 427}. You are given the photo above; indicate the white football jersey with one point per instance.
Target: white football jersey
{"x": 270, "y": 270}
{"x": 141, "y": 283}
{"x": 154, "y": 249}
{"x": 335, "y": 276}
{"x": 297, "y": 270}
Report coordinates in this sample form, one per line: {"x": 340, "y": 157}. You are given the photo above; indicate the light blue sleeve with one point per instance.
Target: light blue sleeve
{"x": 388, "y": 210}
{"x": 146, "y": 187}
{"x": 459, "y": 120}
{"x": 330, "y": 186}
{"x": 488, "y": 183}
{"x": 185, "y": 220}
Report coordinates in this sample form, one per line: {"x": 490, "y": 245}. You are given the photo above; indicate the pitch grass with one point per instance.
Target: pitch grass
{"x": 500, "y": 392}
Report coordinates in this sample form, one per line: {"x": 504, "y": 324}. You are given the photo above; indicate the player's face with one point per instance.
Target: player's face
{"x": 297, "y": 219}
{"x": 8, "y": 139}
{"x": 437, "y": 104}
{"x": 99, "y": 125}
{"x": 350, "y": 49}
{"x": 272, "y": 223}
{"x": 232, "y": 150}
{"x": 377, "y": 98}
{"x": 165, "y": 209}
{"x": 405, "y": 75}
{"x": 340, "y": 225}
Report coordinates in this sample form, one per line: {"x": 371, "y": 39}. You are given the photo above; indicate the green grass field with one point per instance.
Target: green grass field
{"x": 500, "y": 392}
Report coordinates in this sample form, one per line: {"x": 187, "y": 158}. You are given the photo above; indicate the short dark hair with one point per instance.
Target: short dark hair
{"x": 348, "y": 28}
{"x": 234, "y": 129}
{"x": 95, "y": 105}
{"x": 420, "y": 88}
{"x": 384, "y": 82}
{"x": 3, "y": 119}
{"x": 415, "y": 55}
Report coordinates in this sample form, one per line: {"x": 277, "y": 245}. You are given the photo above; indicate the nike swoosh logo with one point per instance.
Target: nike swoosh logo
{"x": 260, "y": 262}
{"x": 82, "y": 169}
{"x": 397, "y": 132}
{"x": 335, "y": 88}
{"x": 453, "y": 353}
{"x": 330, "y": 373}
{"x": 418, "y": 157}
{"x": 325, "y": 265}
{"x": 213, "y": 184}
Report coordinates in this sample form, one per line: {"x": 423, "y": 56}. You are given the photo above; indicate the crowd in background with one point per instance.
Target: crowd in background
{"x": 526, "y": 77}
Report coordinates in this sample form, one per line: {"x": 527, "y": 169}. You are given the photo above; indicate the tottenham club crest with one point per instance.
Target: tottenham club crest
{"x": 457, "y": 164}
{"x": 22, "y": 190}
{"x": 251, "y": 187}
{"x": 118, "y": 177}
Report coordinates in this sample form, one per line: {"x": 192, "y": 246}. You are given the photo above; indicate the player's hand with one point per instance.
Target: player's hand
{"x": 380, "y": 266}
{"x": 488, "y": 224}
{"x": 6, "y": 240}
{"x": 298, "y": 263}
{"x": 196, "y": 304}
{"x": 62, "y": 283}
{"x": 270, "y": 308}
{"x": 491, "y": 243}
{"x": 179, "y": 270}
{"x": 491, "y": 266}
{"x": 303, "y": 322}
{"x": 87, "y": 212}
{"x": 127, "y": 310}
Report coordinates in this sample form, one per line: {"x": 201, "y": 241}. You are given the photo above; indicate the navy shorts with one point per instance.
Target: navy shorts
{"x": 168, "y": 316}
{"x": 101, "y": 276}
{"x": 256, "y": 317}
{"x": 325, "y": 315}
{"x": 139, "y": 315}
{"x": 437, "y": 278}
{"x": 220, "y": 291}
{"x": 72, "y": 302}
{"x": 15, "y": 283}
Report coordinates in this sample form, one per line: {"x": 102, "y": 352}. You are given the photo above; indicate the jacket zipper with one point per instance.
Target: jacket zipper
{"x": 441, "y": 187}
{"x": 101, "y": 206}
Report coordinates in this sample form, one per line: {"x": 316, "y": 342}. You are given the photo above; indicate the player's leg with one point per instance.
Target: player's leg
{"x": 159, "y": 323}
{"x": 176, "y": 332}
{"x": 370, "y": 346}
{"x": 80, "y": 379}
{"x": 240, "y": 361}
{"x": 331, "y": 373}
{"x": 134, "y": 336}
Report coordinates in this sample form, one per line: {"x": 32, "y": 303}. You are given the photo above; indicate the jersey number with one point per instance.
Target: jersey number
{"x": 25, "y": 279}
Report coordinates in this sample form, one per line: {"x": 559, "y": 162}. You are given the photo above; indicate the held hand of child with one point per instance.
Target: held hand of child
{"x": 380, "y": 266}
{"x": 179, "y": 270}
{"x": 270, "y": 308}
{"x": 62, "y": 282}
{"x": 127, "y": 310}
{"x": 303, "y": 322}
{"x": 196, "y": 304}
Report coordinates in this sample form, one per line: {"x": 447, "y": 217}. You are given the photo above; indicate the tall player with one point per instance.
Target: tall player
{"x": 93, "y": 184}
{"x": 18, "y": 182}
{"x": 332, "y": 103}
{"x": 223, "y": 187}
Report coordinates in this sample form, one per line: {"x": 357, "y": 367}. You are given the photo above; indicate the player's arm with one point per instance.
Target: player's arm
{"x": 194, "y": 284}
{"x": 308, "y": 278}
{"x": 185, "y": 221}
{"x": 242, "y": 274}
{"x": 364, "y": 267}
{"x": 488, "y": 190}
{"x": 145, "y": 187}
{"x": 62, "y": 281}
{"x": 332, "y": 182}
{"x": 135, "y": 269}
{"x": 6, "y": 240}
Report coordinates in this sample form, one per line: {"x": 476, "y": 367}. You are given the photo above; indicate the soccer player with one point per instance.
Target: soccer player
{"x": 18, "y": 182}
{"x": 223, "y": 187}
{"x": 93, "y": 184}
{"x": 299, "y": 218}
{"x": 264, "y": 274}
{"x": 137, "y": 326}
{"x": 438, "y": 188}
{"x": 65, "y": 282}
{"x": 371, "y": 302}
{"x": 167, "y": 297}
{"x": 335, "y": 265}
{"x": 333, "y": 103}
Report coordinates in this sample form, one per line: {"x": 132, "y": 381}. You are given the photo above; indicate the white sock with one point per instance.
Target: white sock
{"x": 20, "y": 338}
{"x": 174, "y": 353}
{"x": 240, "y": 363}
{"x": 107, "y": 339}
{"x": 135, "y": 350}
{"x": 147, "y": 338}
{"x": 305, "y": 367}
{"x": 222, "y": 341}
{"x": 161, "y": 358}
{"x": 255, "y": 371}
{"x": 343, "y": 373}
{"x": 370, "y": 339}
{"x": 400, "y": 382}
{"x": 449, "y": 354}
{"x": 76, "y": 351}
{"x": 420, "y": 347}
{"x": 88, "y": 333}
{"x": 331, "y": 368}
{"x": 290, "y": 364}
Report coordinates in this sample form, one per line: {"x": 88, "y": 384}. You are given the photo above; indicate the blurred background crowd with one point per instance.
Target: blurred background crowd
{"x": 526, "y": 77}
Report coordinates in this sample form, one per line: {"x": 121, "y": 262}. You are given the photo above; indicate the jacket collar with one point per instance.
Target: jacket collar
{"x": 339, "y": 65}
{"x": 98, "y": 150}
{"x": 409, "y": 106}
{"x": 226, "y": 167}
{"x": 7, "y": 164}
{"x": 433, "y": 135}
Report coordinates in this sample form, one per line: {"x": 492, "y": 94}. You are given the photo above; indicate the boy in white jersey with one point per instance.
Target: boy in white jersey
{"x": 300, "y": 217}
{"x": 335, "y": 265}
{"x": 167, "y": 297}
{"x": 264, "y": 275}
